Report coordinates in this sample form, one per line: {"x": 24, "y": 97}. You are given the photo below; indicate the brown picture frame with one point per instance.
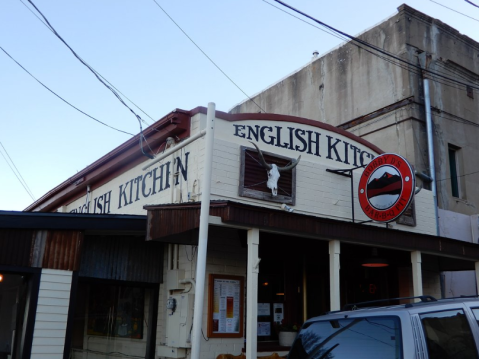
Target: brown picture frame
{"x": 225, "y": 306}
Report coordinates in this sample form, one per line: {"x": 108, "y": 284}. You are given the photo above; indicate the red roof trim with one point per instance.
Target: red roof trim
{"x": 119, "y": 160}
{"x": 128, "y": 154}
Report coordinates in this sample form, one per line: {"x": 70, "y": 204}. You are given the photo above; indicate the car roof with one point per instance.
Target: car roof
{"x": 428, "y": 304}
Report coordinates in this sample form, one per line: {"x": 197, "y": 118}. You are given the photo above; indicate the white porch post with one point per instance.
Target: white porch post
{"x": 477, "y": 276}
{"x": 334, "y": 252}
{"x": 416, "y": 273}
{"x": 203, "y": 234}
{"x": 252, "y": 294}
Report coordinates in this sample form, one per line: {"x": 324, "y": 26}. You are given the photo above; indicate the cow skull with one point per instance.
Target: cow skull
{"x": 274, "y": 171}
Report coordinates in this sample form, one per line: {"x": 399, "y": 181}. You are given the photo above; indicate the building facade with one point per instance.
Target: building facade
{"x": 271, "y": 260}
{"x": 381, "y": 98}
{"x": 383, "y": 101}
{"x": 106, "y": 264}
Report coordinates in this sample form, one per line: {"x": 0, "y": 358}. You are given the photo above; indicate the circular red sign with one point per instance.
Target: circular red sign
{"x": 386, "y": 187}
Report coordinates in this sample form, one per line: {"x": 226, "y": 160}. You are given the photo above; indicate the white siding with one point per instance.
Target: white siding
{"x": 52, "y": 314}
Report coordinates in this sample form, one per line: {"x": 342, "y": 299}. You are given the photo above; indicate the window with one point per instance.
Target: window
{"x": 408, "y": 218}
{"x": 116, "y": 311}
{"x": 470, "y": 91}
{"x": 448, "y": 335}
{"x": 253, "y": 177}
{"x": 359, "y": 338}
{"x": 111, "y": 317}
{"x": 454, "y": 170}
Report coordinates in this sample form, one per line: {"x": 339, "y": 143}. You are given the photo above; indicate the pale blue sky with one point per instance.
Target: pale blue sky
{"x": 142, "y": 53}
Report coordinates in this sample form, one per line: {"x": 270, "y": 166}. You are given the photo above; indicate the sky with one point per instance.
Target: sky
{"x": 140, "y": 51}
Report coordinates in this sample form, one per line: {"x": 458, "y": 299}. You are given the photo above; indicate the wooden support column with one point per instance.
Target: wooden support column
{"x": 416, "y": 273}
{"x": 252, "y": 295}
{"x": 334, "y": 252}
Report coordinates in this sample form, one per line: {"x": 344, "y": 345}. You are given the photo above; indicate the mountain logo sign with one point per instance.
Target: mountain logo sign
{"x": 386, "y": 187}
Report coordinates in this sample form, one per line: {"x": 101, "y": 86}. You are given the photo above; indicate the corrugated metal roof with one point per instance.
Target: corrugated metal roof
{"x": 62, "y": 250}
{"x": 16, "y": 247}
{"x": 122, "y": 258}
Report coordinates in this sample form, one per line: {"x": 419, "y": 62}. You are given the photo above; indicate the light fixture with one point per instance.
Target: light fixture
{"x": 1, "y": 277}
{"x": 374, "y": 261}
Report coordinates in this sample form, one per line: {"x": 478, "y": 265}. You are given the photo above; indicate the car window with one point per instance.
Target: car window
{"x": 358, "y": 338}
{"x": 448, "y": 335}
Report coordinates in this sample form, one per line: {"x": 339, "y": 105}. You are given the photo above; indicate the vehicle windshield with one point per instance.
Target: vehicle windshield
{"x": 371, "y": 338}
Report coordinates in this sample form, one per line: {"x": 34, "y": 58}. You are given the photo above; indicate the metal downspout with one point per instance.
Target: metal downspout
{"x": 430, "y": 139}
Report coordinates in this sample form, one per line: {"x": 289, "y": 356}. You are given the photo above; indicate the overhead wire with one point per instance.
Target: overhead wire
{"x": 459, "y": 176}
{"x": 470, "y": 17}
{"x": 61, "y": 98}
{"x": 435, "y": 75}
{"x": 409, "y": 66}
{"x": 456, "y": 119}
{"x": 209, "y": 58}
{"x": 378, "y": 49}
{"x": 413, "y": 70}
{"x": 470, "y": 2}
{"x": 139, "y": 108}
{"x": 20, "y": 179}
{"x": 138, "y": 117}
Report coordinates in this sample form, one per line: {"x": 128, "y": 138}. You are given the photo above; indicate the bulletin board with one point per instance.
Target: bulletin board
{"x": 225, "y": 306}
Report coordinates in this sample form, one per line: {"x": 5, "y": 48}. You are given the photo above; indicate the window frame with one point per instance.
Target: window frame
{"x": 456, "y": 180}
{"x": 428, "y": 340}
{"x": 265, "y": 193}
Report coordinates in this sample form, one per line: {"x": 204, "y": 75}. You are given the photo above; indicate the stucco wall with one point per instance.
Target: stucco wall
{"x": 347, "y": 84}
{"x": 344, "y": 84}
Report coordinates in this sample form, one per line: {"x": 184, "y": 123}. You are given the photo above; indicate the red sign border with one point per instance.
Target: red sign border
{"x": 407, "y": 192}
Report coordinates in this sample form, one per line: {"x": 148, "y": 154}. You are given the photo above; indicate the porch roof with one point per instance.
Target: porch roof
{"x": 170, "y": 222}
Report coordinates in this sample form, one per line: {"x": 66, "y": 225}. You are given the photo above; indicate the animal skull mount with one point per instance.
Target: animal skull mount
{"x": 274, "y": 171}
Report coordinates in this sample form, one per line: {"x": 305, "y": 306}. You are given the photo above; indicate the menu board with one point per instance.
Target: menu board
{"x": 225, "y": 317}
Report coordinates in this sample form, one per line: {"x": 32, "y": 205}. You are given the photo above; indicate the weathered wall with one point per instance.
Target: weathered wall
{"x": 318, "y": 193}
{"x": 454, "y": 112}
{"x": 351, "y": 86}
{"x": 225, "y": 256}
{"x": 344, "y": 84}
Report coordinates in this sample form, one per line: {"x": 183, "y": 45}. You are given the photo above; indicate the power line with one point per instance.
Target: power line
{"x": 204, "y": 53}
{"x": 454, "y": 10}
{"x": 308, "y": 23}
{"x": 376, "y": 48}
{"x": 29, "y": 9}
{"x": 464, "y": 175}
{"x": 401, "y": 65}
{"x": 141, "y": 137}
{"x": 22, "y": 181}
{"x": 61, "y": 98}
{"x": 415, "y": 67}
{"x": 456, "y": 119}
{"x": 470, "y": 2}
